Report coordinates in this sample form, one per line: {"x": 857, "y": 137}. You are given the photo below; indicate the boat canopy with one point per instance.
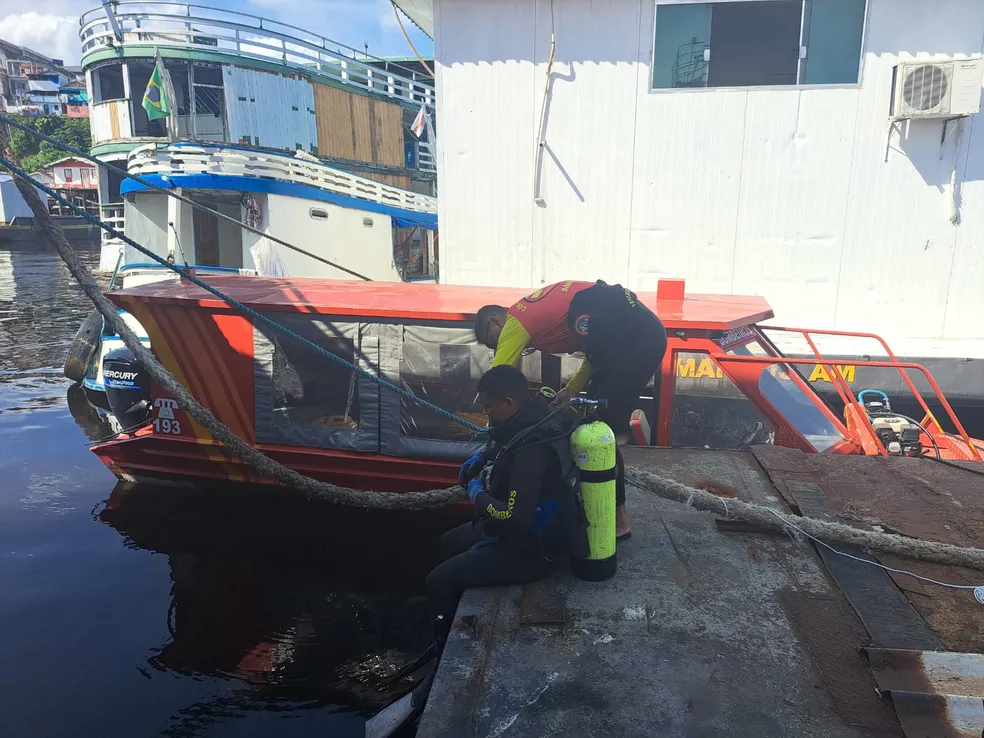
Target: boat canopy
{"x": 416, "y": 301}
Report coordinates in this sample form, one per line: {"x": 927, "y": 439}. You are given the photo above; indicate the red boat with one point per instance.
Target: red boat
{"x": 320, "y": 418}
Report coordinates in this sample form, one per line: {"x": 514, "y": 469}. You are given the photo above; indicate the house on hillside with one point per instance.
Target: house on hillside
{"x": 74, "y": 179}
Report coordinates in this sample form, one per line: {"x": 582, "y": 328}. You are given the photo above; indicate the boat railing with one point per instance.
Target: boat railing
{"x": 426, "y": 157}
{"x": 112, "y": 215}
{"x": 726, "y": 359}
{"x": 185, "y": 25}
{"x": 184, "y": 158}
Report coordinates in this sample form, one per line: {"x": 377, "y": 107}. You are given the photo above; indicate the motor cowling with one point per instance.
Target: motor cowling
{"x": 127, "y": 388}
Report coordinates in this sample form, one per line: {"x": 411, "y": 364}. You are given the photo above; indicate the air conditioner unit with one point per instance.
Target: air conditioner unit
{"x": 949, "y": 89}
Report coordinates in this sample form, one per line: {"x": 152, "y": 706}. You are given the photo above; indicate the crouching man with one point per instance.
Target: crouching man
{"x": 524, "y": 486}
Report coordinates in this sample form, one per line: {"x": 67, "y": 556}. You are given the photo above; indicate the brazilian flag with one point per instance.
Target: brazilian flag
{"x": 154, "y": 99}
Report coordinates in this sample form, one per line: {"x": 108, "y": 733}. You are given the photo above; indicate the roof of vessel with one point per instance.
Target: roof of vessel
{"x": 422, "y": 300}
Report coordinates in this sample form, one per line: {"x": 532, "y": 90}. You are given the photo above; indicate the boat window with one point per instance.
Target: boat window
{"x": 107, "y": 83}
{"x": 442, "y": 366}
{"x": 791, "y": 400}
{"x": 709, "y": 411}
{"x": 312, "y": 390}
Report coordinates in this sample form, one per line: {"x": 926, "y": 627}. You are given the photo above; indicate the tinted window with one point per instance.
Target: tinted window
{"x": 757, "y": 43}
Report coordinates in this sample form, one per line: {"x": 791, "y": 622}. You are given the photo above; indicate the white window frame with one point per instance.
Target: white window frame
{"x": 799, "y": 65}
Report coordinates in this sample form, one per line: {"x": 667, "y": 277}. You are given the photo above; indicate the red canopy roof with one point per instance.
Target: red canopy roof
{"x": 424, "y": 300}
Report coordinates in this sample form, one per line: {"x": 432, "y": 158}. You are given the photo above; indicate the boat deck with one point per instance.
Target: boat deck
{"x": 708, "y": 630}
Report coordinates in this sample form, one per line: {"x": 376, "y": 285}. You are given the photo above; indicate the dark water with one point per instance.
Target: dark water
{"x": 154, "y": 612}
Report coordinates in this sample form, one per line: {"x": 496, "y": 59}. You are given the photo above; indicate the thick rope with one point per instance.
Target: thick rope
{"x": 775, "y": 520}
{"x": 171, "y": 193}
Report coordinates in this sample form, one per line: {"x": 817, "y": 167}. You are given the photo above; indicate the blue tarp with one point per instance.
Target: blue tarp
{"x": 237, "y": 183}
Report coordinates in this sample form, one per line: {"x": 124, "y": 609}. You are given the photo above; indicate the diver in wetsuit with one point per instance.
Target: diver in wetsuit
{"x": 527, "y": 504}
{"x": 622, "y": 339}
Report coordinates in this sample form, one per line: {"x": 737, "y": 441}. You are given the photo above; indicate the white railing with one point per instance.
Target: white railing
{"x": 185, "y": 25}
{"x": 112, "y": 215}
{"x": 426, "y": 157}
{"x": 194, "y": 159}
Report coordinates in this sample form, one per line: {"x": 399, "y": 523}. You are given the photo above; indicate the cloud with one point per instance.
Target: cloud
{"x": 53, "y": 35}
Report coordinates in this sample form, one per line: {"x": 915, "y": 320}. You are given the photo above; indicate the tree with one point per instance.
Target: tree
{"x": 35, "y": 154}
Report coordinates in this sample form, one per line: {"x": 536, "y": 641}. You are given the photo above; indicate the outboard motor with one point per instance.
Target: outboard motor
{"x": 127, "y": 388}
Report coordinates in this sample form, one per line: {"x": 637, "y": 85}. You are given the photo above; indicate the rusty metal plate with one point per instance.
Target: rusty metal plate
{"x": 939, "y": 715}
{"x": 885, "y": 611}
{"x": 834, "y": 637}
{"x": 960, "y": 674}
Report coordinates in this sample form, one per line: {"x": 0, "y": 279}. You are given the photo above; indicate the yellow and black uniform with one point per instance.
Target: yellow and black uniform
{"x": 622, "y": 339}
{"x": 529, "y": 515}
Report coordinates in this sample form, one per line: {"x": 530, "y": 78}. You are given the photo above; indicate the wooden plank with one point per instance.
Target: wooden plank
{"x": 393, "y": 180}
{"x": 361, "y": 138}
{"x": 389, "y": 134}
{"x": 333, "y": 114}
{"x": 886, "y": 613}
{"x": 114, "y": 119}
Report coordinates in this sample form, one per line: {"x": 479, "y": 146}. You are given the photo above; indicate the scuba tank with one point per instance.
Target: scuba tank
{"x": 593, "y": 448}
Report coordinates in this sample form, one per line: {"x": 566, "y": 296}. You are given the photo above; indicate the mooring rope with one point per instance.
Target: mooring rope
{"x": 171, "y": 193}
{"x": 762, "y": 516}
{"x": 826, "y": 531}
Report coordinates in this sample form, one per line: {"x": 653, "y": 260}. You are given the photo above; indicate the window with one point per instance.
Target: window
{"x": 757, "y": 43}
{"x": 108, "y": 83}
{"x": 789, "y": 398}
{"x": 312, "y": 390}
{"x": 441, "y": 365}
{"x": 68, "y": 174}
{"x": 709, "y": 411}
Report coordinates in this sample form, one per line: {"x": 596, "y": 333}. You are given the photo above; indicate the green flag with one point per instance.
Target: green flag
{"x": 154, "y": 99}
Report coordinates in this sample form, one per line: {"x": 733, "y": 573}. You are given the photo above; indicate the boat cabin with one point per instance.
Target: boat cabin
{"x": 321, "y": 418}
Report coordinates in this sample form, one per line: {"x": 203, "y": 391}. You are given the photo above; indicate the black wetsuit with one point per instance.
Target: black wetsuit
{"x": 530, "y": 516}
{"x": 625, "y": 343}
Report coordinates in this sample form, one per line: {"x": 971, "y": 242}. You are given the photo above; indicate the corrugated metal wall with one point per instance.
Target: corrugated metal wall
{"x": 785, "y": 193}
{"x": 269, "y": 110}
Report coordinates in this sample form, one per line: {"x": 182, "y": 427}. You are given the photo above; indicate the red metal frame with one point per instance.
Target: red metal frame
{"x": 833, "y": 371}
{"x": 766, "y": 360}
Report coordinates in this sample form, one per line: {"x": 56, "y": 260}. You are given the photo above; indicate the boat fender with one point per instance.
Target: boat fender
{"x": 84, "y": 347}
{"x": 593, "y": 448}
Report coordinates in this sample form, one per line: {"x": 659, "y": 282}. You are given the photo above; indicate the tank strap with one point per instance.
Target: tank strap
{"x": 597, "y": 477}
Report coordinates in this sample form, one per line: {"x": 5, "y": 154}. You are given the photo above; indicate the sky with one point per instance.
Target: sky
{"x": 52, "y": 28}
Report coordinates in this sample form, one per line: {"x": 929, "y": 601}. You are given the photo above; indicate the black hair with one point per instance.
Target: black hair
{"x": 505, "y": 383}
{"x": 482, "y": 321}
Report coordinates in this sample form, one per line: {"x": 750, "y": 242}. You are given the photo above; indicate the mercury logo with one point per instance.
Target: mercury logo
{"x": 112, "y": 374}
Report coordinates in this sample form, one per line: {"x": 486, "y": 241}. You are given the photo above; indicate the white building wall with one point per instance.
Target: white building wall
{"x": 780, "y": 192}
{"x": 342, "y": 238}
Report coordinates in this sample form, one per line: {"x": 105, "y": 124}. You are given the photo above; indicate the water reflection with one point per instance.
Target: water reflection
{"x": 41, "y": 307}
{"x": 174, "y": 612}
{"x": 302, "y": 605}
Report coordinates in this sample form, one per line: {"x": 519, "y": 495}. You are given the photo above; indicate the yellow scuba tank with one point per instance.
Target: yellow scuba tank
{"x": 593, "y": 448}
